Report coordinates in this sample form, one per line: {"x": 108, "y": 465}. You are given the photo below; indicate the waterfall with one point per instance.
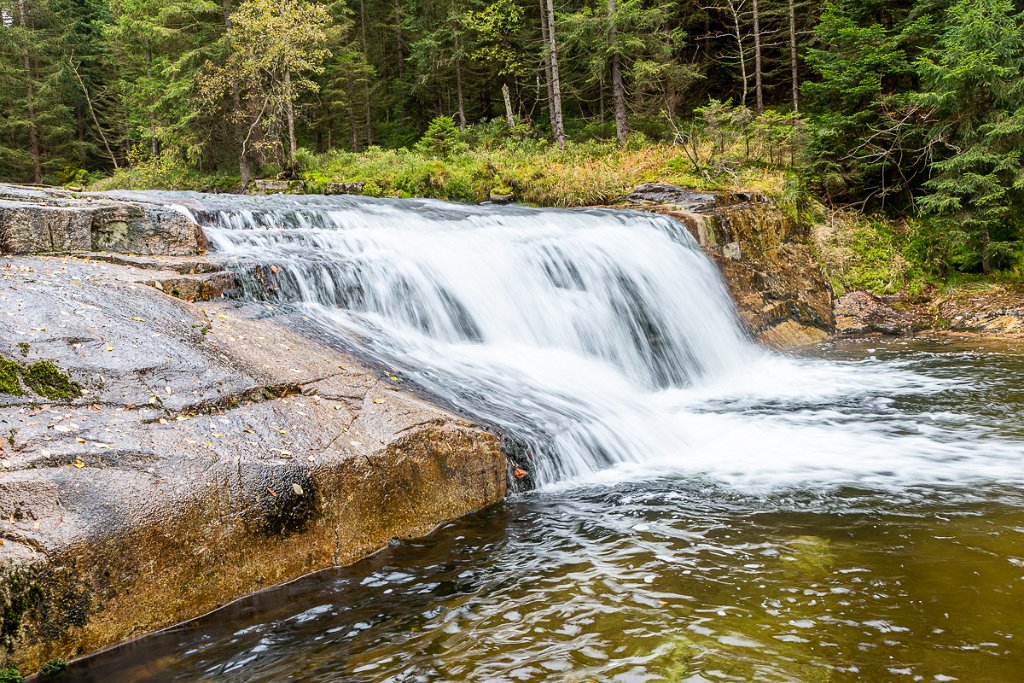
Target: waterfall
{"x": 602, "y": 344}
{"x": 558, "y": 325}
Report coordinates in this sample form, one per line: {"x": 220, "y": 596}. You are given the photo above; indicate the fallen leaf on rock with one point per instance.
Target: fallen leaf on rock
{"x": 272, "y": 492}
{"x": 297, "y": 489}
{"x": 79, "y": 464}
{"x": 519, "y": 473}
{"x": 378, "y": 400}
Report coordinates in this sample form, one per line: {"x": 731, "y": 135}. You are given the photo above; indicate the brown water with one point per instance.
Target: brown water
{"x": 683, "y": 578}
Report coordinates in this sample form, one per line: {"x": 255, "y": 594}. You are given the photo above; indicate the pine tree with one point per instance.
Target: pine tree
{"x": 975, "y": 94}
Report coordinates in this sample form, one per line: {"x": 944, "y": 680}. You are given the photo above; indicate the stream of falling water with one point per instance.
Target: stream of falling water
{"x": 604, "y": 341}
{"x": 706, "y": 510}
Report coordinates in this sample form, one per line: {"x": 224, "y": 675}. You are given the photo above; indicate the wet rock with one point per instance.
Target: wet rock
{"x": 501, "y": 198}
{"x": 864, "y": 313}
{"x": 212, "y": 451}
{"x": 780, "y": 292}
{"x": 34, "y": 221}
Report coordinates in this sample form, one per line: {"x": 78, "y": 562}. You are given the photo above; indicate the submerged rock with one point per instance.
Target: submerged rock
{"x": 167, "y": 457}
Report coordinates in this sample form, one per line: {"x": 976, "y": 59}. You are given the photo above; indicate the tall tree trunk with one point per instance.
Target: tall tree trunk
{"x": 398, "y": 39}
{"x": 154, "y": 143}
{"x": 547, "y": 63}
{"x": 290, "y": 113}
{"x": 366, "y": 58}
{"x": 986, "y": 260}
{"x": 353, "y": 117}
{"x": 244, "y": 170}
{"x": 741, "y": 52}
{"x": 30, "y": 94}
{"x": 458, "y": 93}
{"x": 509, "y": 116}
{"x": 92, "y": 111}
{"x": 558, "y": 130}
{"x": 792, "y": 58}
{"x": 757, "y": 59}
{"x": 618, "y": 89}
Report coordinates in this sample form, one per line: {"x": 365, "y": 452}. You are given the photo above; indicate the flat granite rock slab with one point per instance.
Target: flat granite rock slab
{"x": 213, "y": 451}
{"x": 37, "y": 220}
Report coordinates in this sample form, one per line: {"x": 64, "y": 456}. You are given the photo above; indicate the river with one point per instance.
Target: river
{"x": 694, "y": 508}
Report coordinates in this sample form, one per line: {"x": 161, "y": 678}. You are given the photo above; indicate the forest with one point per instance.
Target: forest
{"x": 910, "y": 110}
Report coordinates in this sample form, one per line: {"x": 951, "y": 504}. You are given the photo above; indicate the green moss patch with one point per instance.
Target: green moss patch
{"x": 9, "y": 371}
{"x": 48, "y": 381}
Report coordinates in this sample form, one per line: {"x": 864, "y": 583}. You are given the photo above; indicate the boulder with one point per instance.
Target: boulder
{"x": 273, "y": 186}
{"x": 162, "y": 458}
{"x": 30, "y": 228}
{"x": 34, "y": 221}
{"x": 864, "y": 313}
{"x": 343, "y": 188}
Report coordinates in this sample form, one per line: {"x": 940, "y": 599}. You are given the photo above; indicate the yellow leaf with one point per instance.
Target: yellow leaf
{"x": 79, "y": 464}
{"x": 378, "y": 400}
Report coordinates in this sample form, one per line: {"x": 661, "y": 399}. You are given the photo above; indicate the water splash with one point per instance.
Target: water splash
{"x": 604, "y": 342}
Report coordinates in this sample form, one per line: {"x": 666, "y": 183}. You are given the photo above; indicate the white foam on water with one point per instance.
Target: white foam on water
{"x": 605, "y": 341}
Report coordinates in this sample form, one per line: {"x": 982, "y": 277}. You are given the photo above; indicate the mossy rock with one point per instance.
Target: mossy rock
{"x": 9, "y": 384}
{"x": 48, "y": 381}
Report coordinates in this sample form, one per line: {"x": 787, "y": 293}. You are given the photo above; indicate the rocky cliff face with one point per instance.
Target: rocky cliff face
{"x": 765, "y": 258}
{"x": 160, "y": 458}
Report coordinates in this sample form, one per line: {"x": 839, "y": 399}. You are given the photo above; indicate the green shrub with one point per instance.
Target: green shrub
{"x": 442, "y": 139}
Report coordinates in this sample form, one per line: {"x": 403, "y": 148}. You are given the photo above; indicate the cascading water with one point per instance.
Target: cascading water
{"x": 603, "y": 341}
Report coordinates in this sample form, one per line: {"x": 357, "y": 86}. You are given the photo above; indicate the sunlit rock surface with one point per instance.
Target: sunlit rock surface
{"x": 212, "y": 452}
{"x": 763, "y": 254}
{"x": 59, "y": 221}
